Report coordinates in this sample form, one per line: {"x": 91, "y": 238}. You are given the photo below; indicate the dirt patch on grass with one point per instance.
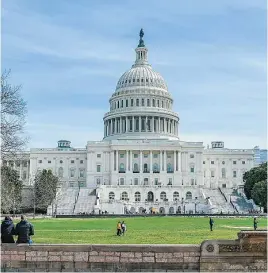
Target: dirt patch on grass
{"x": 237, "y": 227}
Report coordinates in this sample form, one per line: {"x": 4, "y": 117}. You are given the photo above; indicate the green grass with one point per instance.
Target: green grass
{"x": 144, "y": 230}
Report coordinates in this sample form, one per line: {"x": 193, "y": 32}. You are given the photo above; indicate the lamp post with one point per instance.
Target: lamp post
{"x": 195, "y": 205}
{"x": 182, "y": 203}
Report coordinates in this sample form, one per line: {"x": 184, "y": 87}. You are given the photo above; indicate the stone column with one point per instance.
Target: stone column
{"x": 165, "y": 125}
{"x": 116, "y": 166}
{"x": 141, "y": 168}
{"x": 139, "y": 123}
{"x": 111, "y": 161}
{"x": 161, "y": 163}
{"x": 179, "y": 161}
{"x": 146, "y": 120}
{"x": 175, "y": 161}
{"x": 126, "y": 124}
{"x": 130, "y": 159}
{"x": 165, "y": 160}
{"x": 127, "y": 161}
{"x": 151, "y": 161}
{"x": 153, "y": 129}
{"x": 133, "y": 124}
{"x": 159, "y": 125}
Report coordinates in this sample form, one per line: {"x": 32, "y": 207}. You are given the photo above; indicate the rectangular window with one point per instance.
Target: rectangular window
{"x": 122, "y": 103}
{"x": 212, "y": 162}
{"x": 72, "y": 161}
{"x": 192, "y": 181}
{"x": 204, "y": 173}
{"x": 39, "y": 161}
{"x": 126, "y": 103}
{"x": 142, "y": 102}
{"x": 148, "y": 102}
{"x": 192, "y": 169}
{"x": 212, "y": 174}
{"x": 168, "y": 156}
{"x": 223, "y": 185}
{"x": 145, "y": 155}
{"x": 191, "y": 155}
{"x": 98, "y": 168}
{"x": 136, "y": 181}
{"x": 234, "y": 173}
{"x": 98, "y": 155}
{"x": 137, "y": 102}
{"x": 135, "y": 155}
{"x": 71, "y": 184}
{"x": 243, "y": 162}
{"x": 81, "y": 173}
{"x": 170, "y": 181}
{"x": 155, "y": 155}
{"x": 156, "y": 181}
{"x": 81, "y": 161}
{"x": 72, "y": 173}
{"x": 204, "y": 162}
{"x": 132, "y": 102}
{"x": 49, "y": 161}
{"x": 234, "y": 162}
{"x": 122, "y": 155}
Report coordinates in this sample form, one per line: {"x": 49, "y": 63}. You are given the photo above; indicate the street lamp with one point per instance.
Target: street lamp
{"x": 195, "y": 205}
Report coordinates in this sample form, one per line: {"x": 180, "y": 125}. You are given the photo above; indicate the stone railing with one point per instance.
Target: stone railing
{"x": 248, "y": 253}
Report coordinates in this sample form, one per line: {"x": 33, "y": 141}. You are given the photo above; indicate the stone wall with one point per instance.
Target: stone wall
{"x": 247, "y": 253}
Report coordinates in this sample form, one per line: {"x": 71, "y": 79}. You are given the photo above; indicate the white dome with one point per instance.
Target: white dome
{"x": 141, "y": 75}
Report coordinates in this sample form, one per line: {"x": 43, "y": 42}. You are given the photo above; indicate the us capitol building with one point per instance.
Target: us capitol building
{"x": 141, "y": 163}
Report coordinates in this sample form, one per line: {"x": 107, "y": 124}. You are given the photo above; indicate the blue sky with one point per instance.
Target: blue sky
{"x": 68, "y": 55}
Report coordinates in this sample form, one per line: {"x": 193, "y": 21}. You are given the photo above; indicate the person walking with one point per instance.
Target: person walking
{"x": 255, "y": 223}
{"x": 7, "y": 231}
{"x": 211, "y": 223}
{"x": 119, "y": 228}
{"x": 24, "y": 230}
{"x": 124, "y": 228}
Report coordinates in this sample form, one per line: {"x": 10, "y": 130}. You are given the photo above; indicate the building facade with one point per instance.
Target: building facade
{"x": 141, "y": 163}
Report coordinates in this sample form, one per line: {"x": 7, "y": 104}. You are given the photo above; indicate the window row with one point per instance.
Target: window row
{"x": 223, "y": 173}
{"x": 72, "y": 172}
{"x": 61, "y": 161}
{"x": 16, "y": 163}
{"x": 141, "y": 102}
{"x": 150, "y": 196}
{"x": 223, "y": 162}
{"x": 146, "y": 168}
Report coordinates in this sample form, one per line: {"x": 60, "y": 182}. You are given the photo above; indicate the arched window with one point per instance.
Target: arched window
{"x": 122, "y": 103}
{"x": 150, "y": 196}
{"x": 122, "y": 168}
{"x": 137, "y": 196}
{"x": 145, "y": 168}
{"x": 136, "y": 168}
{"x": 176, "y": 196}
{"x": 122, "y": 181}
{"x": 162, "y": 104}
{"x": 148, "y": 102}
{"x": 118, "y": 104}
{"x": 111, "y": 195}
{"x": 153, "y": 103}
{"x": 158, "y": 103}
{"x": 60, "y": 172}
{"x": 155, "y": 168}
{"x": 143, "y": 124}
{"x": 146, "y": 182}
{"x": 169, "y": 168}
{"x": 188, "y": 195}
{"x": 126, "y": 103}
{"x": 223, "y": 173}
{"x": 124, "y": 195}
{"x": 142, "y": 102}
{"x": 137, "y": 102}
{"x": 163, "y": 195}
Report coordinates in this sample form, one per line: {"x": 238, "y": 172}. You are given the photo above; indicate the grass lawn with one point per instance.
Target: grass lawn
{"x": 147, "y": 230}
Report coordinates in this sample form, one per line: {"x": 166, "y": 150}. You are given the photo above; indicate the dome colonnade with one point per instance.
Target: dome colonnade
{"x": 141, "y": 105}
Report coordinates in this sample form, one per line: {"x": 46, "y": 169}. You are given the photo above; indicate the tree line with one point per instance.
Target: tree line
{"x": 42, "y": 193}
{"x": 255, "y": 186}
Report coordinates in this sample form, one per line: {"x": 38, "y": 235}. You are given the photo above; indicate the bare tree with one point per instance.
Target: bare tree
{"x": 13, "y": 113}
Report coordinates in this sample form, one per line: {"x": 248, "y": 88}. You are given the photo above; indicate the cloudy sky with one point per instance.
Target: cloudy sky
{"x": 68, "y": 55}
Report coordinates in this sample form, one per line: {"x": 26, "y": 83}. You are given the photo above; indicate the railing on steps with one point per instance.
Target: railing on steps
{"x": 76, "y": 199}
{"x": 233, "y": 205}
{"x": 223, "y": 194}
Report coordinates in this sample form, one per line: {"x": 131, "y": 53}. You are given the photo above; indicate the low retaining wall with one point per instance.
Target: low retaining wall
{"x": 247, "y": 253}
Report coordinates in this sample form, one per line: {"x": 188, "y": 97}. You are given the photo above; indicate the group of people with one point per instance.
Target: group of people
{"x": 121, "y": 228}
{"x": 24, "y": 230}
